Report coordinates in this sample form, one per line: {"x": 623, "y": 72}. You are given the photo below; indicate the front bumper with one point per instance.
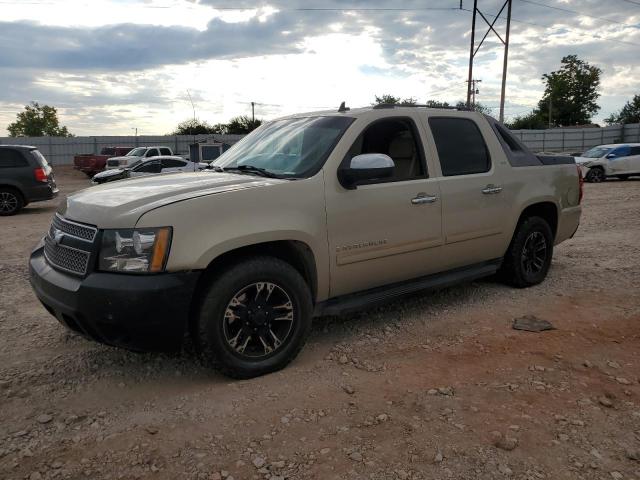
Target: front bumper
{"x": 137, "y": 312}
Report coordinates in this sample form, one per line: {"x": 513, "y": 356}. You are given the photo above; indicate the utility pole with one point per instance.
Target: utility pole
{"x": 550, "y": 103}
{"x": 473, "y": 91}
{"x": 253, "y": 112}
{"x": 504, "y": 63}
{"x": 471, "y": 52}
{"x": 474, "y": 50}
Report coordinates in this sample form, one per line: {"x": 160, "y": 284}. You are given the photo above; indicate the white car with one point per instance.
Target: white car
{"x": 135, "y": 155}
{"x": 161, "y": 164}
{"x": 621, "y": 160}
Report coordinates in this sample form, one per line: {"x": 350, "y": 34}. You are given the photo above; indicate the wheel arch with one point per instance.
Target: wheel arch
{"x": 15, "y": 188}
{"x": 296, "y": 253}
{"x": 546, "y": 210}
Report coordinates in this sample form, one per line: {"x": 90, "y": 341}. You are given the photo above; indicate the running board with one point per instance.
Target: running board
{"x": 384, "y": 294}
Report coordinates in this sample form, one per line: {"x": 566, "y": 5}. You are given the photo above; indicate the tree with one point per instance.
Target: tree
{"x": 388, "y": 99}
{"x": 194, "y": 126}
{"x": 241, "y": 125}
{"x": 37, "y": 121}
{"x": 478, "y": 107}
{"x": 530, "y": 121}
{"x": 630, "y": 113}
{"x": 572, "y": 93}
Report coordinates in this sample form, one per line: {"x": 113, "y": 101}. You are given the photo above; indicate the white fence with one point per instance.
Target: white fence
{"x": 60, "y": 150}
{"x": 577, "y": 139}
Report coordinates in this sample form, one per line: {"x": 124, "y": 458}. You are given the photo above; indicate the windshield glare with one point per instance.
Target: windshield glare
{"x": 136, "y": 152}
{"x": 596, "y": 152}
{"x": 295, "y": 147}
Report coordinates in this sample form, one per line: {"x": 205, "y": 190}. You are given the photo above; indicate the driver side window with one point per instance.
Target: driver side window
{"x": 621, "y": 152}
{"x": 397, "y": 138}
{"x": 149, "y": 167}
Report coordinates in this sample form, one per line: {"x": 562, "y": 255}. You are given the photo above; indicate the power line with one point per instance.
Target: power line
{"x": 632, "y": 2}
{"x": 571, "y": 29}
{"x": 553, "y": 7}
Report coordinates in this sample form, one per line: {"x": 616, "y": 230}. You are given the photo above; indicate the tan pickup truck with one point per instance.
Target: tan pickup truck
{"x": 309, "y": 215}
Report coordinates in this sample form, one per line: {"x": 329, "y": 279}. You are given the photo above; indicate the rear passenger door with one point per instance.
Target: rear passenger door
{"x": 633, "y": 160}
{"x": 473, "y": 208}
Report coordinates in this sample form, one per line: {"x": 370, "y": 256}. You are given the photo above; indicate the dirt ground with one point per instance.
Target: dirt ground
{"x": 436, "y": 386}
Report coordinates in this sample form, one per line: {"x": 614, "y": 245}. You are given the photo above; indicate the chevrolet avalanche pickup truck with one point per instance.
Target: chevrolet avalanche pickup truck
{"x": 313, "y": 214}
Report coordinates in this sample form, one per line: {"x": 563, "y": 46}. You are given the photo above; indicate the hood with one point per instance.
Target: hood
{"x": 120, "y": 204}
{"x": 108, "y": 173}
{"x": 124, "y": 157}
{"x": 582, "y": 160}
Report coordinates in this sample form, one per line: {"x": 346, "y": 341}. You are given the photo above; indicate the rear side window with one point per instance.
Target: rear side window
{"x": 165, "y": 151}
{"x": 460, "y": 146}
{"x": 172, "y": 163}
{"x": 40, "y": 158}
{"x": 11, "y": 158}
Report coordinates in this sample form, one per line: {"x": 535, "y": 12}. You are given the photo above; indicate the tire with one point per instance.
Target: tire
{"x": 596, "y": 175}
{"x": 623, "y": 177}
{"x": 234, "y": 335}
{"x": 524, "y": 265}
{"x": 90, "y": 174}
{"x": 11, "y": 201}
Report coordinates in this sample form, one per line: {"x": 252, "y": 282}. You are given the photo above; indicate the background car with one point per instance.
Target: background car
{"x": 91, "y": 164}
{"x": 615, "y": 160}
{"x": 136, "y": 154}
{"x": 161, "y": 164}
{"x": 25, "y": 177}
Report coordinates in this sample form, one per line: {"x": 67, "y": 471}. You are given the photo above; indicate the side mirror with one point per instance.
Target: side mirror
{"x": 612, "y": 155}
{"x": 365, "y": 167}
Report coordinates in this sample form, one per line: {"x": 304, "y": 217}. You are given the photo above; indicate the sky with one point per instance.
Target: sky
{"x": 113, "y": 66}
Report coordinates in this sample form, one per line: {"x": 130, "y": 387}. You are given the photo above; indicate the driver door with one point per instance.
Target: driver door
{"x": 619, "y": 160}
{"x": 388, "y": 230}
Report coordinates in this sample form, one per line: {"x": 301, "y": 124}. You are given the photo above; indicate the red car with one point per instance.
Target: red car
{"x": 91, "y": 164}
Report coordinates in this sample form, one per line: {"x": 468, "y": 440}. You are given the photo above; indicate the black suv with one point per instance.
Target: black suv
{"x": 25, "y": 177}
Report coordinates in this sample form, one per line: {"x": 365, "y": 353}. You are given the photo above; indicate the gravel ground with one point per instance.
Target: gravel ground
{"x": 434, "y": 386}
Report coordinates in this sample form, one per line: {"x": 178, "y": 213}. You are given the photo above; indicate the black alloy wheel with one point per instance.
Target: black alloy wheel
{"x": 10, "y": 202}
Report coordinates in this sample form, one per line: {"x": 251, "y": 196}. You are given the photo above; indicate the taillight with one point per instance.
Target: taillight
{"x": 41, "y": 175}
{"x": 581, "y": 182}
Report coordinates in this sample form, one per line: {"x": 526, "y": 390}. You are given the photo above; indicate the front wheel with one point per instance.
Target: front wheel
{"x": 254, "y": 318}
{"x": 596, "y": 175}
{"x": 529, "y": 255}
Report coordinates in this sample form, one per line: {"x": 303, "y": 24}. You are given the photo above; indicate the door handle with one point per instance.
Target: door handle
{"x": 423, "y": 198}
{"x": 491, "y": 189}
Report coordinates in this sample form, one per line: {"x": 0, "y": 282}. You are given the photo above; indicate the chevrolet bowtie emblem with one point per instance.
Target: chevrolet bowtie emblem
{"x": 58, "y": 235}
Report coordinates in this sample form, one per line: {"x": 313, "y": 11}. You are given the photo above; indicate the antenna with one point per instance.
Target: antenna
{"x": 193, "y": 128}
{"x": 343, "y": 108}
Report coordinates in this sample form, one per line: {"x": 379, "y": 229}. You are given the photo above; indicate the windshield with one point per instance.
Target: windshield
{"x": 296, "y": 147}
{"x": 136, "y": 152}
{"x": 596, "y": 152}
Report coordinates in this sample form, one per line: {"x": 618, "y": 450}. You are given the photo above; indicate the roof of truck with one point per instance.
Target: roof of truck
{"x": 354, "y": 112}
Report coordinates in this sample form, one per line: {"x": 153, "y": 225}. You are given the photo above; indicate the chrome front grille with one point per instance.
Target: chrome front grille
{"x": 66, "y": 258}
{"x": 83, "y": 232}
{"x": 69, "y": 245}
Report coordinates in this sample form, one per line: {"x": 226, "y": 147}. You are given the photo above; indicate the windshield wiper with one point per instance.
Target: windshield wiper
{"x": 250, "y": 169}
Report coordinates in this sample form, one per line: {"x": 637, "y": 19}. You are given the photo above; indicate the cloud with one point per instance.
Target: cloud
{"x": 276, "y": 52}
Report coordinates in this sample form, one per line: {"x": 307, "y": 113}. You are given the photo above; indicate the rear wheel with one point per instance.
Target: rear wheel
{"x": 11, "y": 202}
{"x": 529, "y": 255}
{"x": 596, "y": 175}
{"x": 254, "y": 318}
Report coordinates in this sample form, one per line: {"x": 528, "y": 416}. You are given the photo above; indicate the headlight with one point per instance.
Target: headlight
{"x": 142, "y": 250}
